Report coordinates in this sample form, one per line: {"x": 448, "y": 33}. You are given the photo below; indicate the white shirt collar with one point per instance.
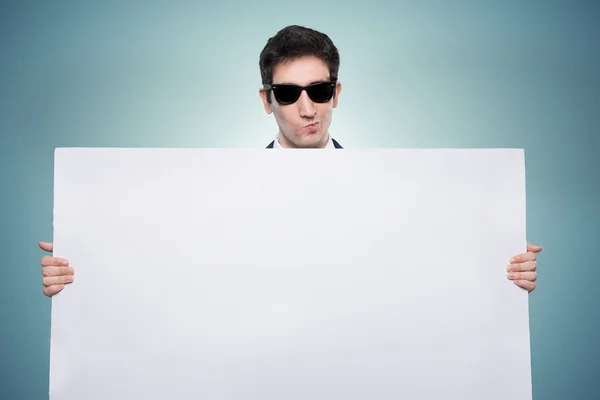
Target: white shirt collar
{"x": 329, "y": 144}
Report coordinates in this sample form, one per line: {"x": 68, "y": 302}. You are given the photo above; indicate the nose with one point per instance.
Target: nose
{"x": 307, "y": 107}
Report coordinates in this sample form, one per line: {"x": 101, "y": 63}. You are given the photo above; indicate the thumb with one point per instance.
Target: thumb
{"x": 534, "y": 248}
{"x": 47, "y": 246}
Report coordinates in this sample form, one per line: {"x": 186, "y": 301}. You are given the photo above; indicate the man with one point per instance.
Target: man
{"x": 299, "y": 71}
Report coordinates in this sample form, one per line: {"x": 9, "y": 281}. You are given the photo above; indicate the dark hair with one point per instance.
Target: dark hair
{"x": 293, "y": 42}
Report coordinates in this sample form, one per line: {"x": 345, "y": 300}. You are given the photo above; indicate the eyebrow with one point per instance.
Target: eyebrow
{"x": 311, "y": 83}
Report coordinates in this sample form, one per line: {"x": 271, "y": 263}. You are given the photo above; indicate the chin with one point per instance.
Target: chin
{"x": 311, "y": 140}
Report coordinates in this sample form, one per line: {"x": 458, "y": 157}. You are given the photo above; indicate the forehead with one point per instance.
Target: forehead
{"x": 301, "y": 71}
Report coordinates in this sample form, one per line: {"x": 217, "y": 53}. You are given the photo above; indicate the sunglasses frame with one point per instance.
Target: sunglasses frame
{"x": 302, "y": 88}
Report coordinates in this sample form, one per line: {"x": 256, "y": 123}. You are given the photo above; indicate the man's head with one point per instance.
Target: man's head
{"x": 306, "y": 58}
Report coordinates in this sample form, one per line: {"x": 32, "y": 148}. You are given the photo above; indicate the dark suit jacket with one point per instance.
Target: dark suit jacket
{"x": 335, "y": 144}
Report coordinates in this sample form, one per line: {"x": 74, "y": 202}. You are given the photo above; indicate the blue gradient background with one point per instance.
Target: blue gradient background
{"x": 415, "y": 74}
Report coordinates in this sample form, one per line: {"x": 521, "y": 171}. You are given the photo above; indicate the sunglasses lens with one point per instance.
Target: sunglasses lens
{"x": 320, "y": 92}
{"x": 287, "y": 94}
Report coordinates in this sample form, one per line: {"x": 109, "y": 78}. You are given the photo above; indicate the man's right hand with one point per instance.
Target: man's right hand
{"x": 56, "y": 272}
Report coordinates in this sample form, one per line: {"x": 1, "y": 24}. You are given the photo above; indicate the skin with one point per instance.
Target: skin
{"x": 292, "y": 121}
{"x": 56, "y": 271}
{"x": 522, "y": 268}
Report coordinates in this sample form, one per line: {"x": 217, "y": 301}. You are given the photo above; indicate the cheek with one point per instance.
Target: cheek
{"x": 284, "y": 116}
{"x": 325, "y": 111}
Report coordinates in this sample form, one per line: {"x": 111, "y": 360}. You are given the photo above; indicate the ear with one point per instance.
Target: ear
{"x": 338, "y": 90}
{"x": 263, "y": 95}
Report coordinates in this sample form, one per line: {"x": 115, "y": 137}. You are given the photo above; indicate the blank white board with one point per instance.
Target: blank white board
{"x": 297, "y": 274}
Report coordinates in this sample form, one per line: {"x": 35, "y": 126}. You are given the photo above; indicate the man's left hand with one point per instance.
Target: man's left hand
{"x": 522, "y": 268}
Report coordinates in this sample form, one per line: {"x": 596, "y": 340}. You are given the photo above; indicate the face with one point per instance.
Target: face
{"x": 305, "y": 123}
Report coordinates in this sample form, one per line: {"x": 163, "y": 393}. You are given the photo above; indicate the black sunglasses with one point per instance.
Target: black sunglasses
{"x": 320, "y": 92}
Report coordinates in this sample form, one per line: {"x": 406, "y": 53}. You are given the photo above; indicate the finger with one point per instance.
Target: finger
{"x": 52, "y": 290}
{"x": 523, "y": 276}
{"x": 47, "y": 246}
{"x": 528, "y": 285}
{"x": 57, "y": 271}
{"x": 534, "y": 248}
{"x": 48, "y": 261}
{"x": 522, "y": 267}
{"x": 523, "y": 258}
{"x": 57, "y": 280}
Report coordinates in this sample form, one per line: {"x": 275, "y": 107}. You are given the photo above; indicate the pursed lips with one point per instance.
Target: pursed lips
{"x": 312, "y": 127}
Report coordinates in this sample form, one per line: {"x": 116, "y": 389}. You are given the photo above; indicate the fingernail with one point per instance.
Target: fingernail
{"x": 64, "y": 262}
{"x": 511, "y": 276}
{"x": 510, "y": 268}
{"x": 513, "y": 260}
